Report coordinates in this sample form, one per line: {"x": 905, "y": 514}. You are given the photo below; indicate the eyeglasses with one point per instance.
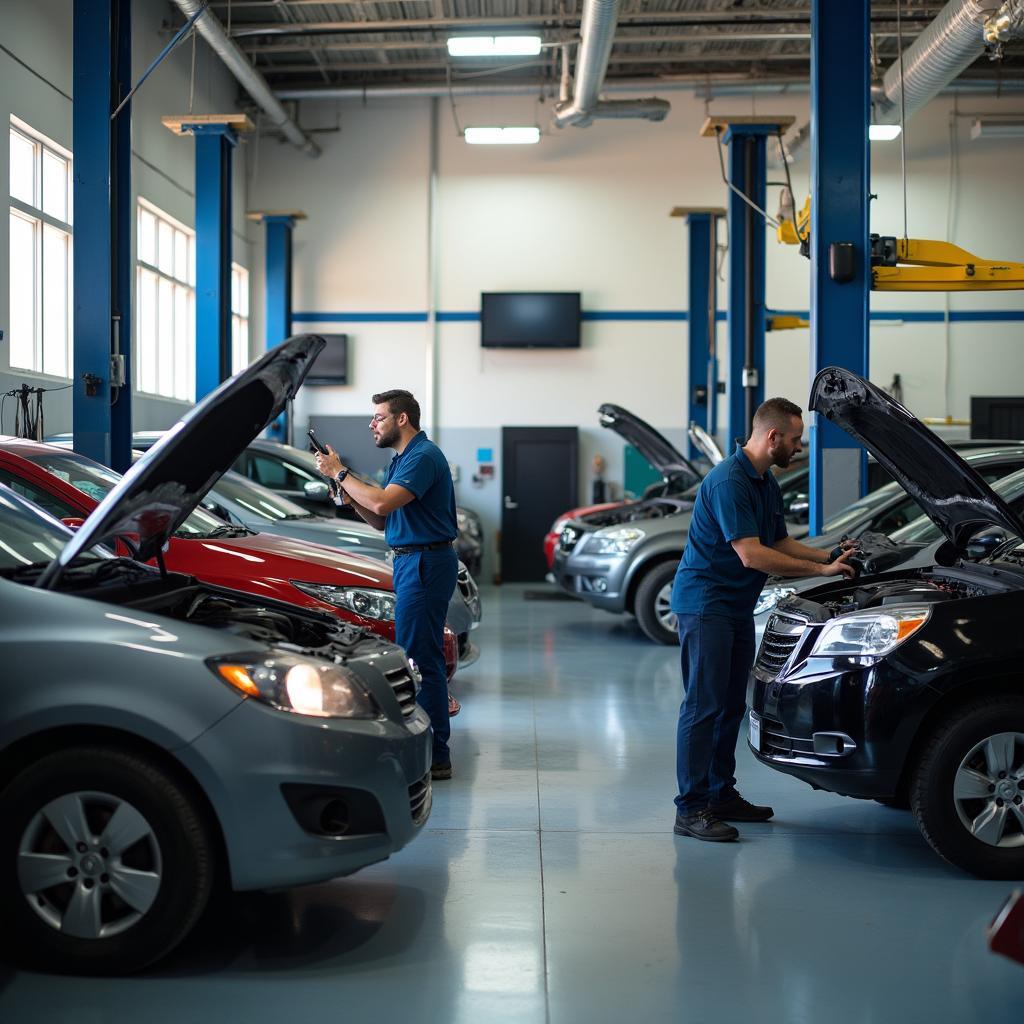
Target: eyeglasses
{"x": 380, "y": 417}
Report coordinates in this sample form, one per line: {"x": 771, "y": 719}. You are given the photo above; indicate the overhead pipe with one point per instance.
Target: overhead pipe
{"x": 597, "y": 34}
{"x": 248, "y": 77}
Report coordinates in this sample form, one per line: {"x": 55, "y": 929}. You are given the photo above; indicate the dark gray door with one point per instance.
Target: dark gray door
{"x": 539, "y": 483}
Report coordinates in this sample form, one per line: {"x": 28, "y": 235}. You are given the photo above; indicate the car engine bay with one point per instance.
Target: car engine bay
{"x": 658, "y": 508}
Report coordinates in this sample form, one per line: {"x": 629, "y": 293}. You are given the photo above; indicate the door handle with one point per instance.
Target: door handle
{"x": 509, "y": 503}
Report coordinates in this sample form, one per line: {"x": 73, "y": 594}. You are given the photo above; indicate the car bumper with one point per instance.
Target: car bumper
{"x": 596, "y": 579}
{"x": 269, "y": 774}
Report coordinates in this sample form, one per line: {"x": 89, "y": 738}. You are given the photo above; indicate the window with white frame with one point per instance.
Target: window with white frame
{"x": 40, "y": 251}
{"x": 165, "y": 305}
{"x": 239, "y": 318}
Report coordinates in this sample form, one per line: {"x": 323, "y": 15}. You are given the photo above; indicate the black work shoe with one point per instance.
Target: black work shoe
{"x": 704, "y": 825}
{"x": 738, "y": 809}
{"x": 441, "y": 770}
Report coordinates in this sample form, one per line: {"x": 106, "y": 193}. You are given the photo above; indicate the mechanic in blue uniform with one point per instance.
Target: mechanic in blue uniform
{"x": 416, "y": 511}
{"x": 737, "y": 538}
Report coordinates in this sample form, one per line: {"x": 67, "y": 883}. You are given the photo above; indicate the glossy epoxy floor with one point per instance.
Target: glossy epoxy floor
{"x": 547, "y": 886}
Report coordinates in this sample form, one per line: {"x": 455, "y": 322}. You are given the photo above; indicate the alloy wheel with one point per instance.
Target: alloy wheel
{"x": 988, "y": 790}
{"x": 89, "y": 864}
{"x": 663, "y": 608}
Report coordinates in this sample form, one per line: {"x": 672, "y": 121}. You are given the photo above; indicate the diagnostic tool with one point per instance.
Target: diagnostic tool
{"x": 317, "y": 448}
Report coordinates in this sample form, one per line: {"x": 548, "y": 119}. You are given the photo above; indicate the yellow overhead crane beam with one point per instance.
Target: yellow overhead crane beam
{"x": 918, "y": 264}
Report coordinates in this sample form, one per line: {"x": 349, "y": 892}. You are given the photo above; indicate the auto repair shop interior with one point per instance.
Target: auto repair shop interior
{"x": 591, "y": 237}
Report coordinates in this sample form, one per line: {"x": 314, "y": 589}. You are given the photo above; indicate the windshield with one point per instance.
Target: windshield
{"x": 923, "y": 530}
{"x": 28, "y": 536}
{"x": 256, "y": 500}
{"x": 866, "y": 505}
{"x": 98, "y": 481}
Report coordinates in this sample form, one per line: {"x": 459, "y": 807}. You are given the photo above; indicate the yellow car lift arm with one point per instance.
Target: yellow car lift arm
{"x": 918, "y": 264}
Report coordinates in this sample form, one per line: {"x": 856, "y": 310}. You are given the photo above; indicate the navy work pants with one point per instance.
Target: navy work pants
{"x": 424, "y": 581}
{"x": 717, "y": 653}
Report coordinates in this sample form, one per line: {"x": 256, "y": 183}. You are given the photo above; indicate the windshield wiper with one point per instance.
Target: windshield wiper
{"x": 227, "y": 530}
{"x": 292, "y": 516}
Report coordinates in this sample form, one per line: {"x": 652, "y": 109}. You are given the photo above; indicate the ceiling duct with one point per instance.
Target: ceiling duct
{"x": 597, "y": 34}
{"x": 249, "y": 78}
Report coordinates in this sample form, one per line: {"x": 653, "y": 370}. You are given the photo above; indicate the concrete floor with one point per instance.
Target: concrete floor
{"x": 548, "y": 887}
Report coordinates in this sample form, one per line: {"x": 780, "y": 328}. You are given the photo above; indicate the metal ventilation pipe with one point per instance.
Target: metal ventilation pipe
{"x": 950, "y": 44}
{"x": 597, "y": 33}
{"x": 248, "y": 77}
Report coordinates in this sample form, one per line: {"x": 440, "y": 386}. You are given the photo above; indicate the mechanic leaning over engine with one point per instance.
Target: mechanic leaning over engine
{"x": 416, "y": 511}
{"x": 737, "y": 538}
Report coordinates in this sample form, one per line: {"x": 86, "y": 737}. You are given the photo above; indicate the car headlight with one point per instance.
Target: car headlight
{"x": 770, "y": 597}
{"x": 302, "y": 686}
{"x": 370, "y": 604}
{"x": 869, "y": 633}
{"x": 614, "y": 542}
{"x": 558, "y": 525}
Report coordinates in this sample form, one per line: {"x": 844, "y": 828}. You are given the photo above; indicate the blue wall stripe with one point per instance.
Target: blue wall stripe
{"x": 910, "y": 316}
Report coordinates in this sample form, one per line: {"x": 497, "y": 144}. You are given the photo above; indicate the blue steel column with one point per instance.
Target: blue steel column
{"x": 748, "y": 173}
{"x": 278, "y": 285}
{"x": 214, "y": 146}
{"x": 701, "y": 312}
{"x": 840, "y": 182}
{"x": 101, "y": 260}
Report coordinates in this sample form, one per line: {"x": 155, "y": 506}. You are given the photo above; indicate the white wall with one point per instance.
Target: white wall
{"x": 588, "y": 210}
{"x": 39, "y": 33}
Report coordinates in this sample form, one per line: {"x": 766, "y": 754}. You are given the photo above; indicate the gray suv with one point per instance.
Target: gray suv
{"x": 159, "y": 735}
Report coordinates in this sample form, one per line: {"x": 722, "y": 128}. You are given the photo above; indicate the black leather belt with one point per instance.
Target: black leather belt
{"x": 412, "y": 549}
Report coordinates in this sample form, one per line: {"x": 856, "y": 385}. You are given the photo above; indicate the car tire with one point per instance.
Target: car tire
{"x": 97, "y": 895}
{"x": 969, "y": 813}
{"x": 652, "y": 604}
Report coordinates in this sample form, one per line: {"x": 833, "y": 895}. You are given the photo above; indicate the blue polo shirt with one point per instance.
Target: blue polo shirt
{"x": 733, "y": 502}
{"x": 422, "y": 469}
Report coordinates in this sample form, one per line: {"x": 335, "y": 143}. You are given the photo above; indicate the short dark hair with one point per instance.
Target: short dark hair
{"x": 776, "y": 412}
{"x": 399, "y": 401}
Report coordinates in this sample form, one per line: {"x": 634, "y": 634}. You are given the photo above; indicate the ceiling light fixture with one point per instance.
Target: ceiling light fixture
{"x": 508, "y": 136}
{"x": 494, "y": 46}
{"x": 997, "y": 128}
{"x": 883, "y": 132}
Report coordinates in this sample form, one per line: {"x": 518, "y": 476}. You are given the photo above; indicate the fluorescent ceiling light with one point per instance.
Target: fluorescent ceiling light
{"x": 492, "y": 136}
{"x": 494, "y": 46}
{"x": 883, "y": 132}
{"x": 997, "y": 128}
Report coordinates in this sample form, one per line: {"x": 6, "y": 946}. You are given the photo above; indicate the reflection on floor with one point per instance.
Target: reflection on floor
{"x": 548, "y": 885}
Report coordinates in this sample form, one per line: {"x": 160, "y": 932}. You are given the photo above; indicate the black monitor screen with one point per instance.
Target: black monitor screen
{"x": 331, "y": 366}
{"x": 530, "y": 320}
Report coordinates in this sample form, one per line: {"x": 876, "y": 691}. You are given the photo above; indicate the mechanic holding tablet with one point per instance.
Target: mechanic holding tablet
{"x": 737, "y": 538}
{"x": 416, "y": 511}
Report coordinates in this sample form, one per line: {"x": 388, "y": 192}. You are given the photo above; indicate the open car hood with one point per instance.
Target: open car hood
{"x": 157, "y": 494}
{"x": 654, "y": 447}
{"x": 949, "y": 491}
{"x": 705, "y": 443}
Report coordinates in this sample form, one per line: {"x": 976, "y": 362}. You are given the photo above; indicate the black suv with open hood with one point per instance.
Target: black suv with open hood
{"x": 906, "y": 686}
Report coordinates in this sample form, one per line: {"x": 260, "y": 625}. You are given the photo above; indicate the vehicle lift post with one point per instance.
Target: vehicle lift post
{"x": 839, "y": 250}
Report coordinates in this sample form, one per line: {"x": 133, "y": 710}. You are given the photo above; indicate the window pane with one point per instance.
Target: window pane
{"x": 234, "y": 289}
{"x": 192, "y": 262}
{"x": 146, "y": 331}
{"x": 181, "y": 340}
{"x": 23, "y": 292}
{"x": 55, "y": 301}
{"x": 165, "y": 249}
{"x": 181, "y": 256}
{"x": 243, "y": 303}
{"x": 147, "y": 237}
{"x": 23, "y": 168}
{"x": 55, "y": 185}
{"x": 165, "y": 336}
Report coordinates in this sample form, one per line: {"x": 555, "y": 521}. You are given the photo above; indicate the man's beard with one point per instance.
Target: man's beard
{"x": 781, "y": 458}
{"x": 387, "y": 440}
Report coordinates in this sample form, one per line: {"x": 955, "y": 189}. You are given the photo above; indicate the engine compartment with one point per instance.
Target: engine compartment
{"x": 892, "y": 593}
{"x": 657, "y": 508}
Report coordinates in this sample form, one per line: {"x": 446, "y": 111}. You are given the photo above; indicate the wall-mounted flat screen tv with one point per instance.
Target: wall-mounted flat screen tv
{"x": 530, "y": 319}
{"x": 331, "y": 366}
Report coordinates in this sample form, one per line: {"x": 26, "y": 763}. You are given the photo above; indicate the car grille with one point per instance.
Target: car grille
{"x": 780, "y": 637}
{"x": 404, "y": 688}
{"x": 569, "y": 538}
{"x": 775, "y": 740}
{"x": 420, "y": 799}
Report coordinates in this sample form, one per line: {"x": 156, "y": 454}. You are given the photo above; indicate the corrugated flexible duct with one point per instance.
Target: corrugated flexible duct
{"x": 248, "y": 77}
{"x": 597, "y": 33}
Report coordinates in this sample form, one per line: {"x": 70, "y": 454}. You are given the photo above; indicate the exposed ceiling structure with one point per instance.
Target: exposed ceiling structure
{"x": 713, "y": 44}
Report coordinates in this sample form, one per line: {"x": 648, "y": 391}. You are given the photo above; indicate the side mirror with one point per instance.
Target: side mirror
{"x": 72, "y": 522}
{"x": 984, "y": 544}
{"x": 316, "y": 491}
